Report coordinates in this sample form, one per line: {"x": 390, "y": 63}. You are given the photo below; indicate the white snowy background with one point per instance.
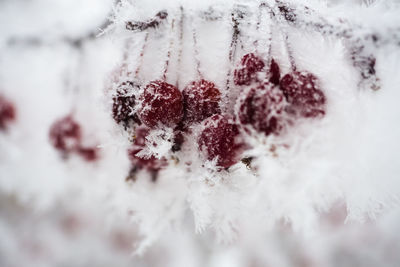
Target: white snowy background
{"x": 330, "y": 200}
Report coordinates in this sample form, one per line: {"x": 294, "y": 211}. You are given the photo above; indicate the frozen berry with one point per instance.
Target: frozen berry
{"x": 246, "y": 73}
{"x": 200, "y": 101}
{"x": 220, "y": 140}
{"x": 262, "y": 108}
{"x": 88, "y": 153}
{"x": 150, "y": 163}
{"x": 274, "y": 72}
{"x": 161, "y": 104}
{"x": 123, "y": 104}
{"x": 302, "y": 92}
{"x": 65, "y": 135}
{"x": 7, "y": 112}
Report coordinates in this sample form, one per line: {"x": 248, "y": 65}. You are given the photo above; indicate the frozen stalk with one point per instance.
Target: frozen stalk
{"x": 356, "y": 37}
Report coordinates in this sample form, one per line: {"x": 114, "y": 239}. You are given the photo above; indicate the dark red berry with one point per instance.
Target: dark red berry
{"x": 274, "y": 72}
{"x": 302, "y": 92}
{"x": 201, "y": 99}
{"x": 124, "y": 102}
{"x": 262, "y": 107}
{"x": 246, "y": 73}
{"x": 7, "y": 112}
{"x": 220, "y": 140}
{"x": 161, "y": 104}
{"x": 88, "y": 153}
{"x": 150, "y": 163}
{"x": 65, "y": 134}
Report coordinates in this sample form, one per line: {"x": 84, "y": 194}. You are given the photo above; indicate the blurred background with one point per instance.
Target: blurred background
{"x": 57, "y": 212}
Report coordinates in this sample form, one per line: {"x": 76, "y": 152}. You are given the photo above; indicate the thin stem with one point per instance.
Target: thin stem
{"x": 269, "y": 50}
{"x": 232, "y": 48}
{"x": 181, "y": 22}
{"x": 141, "y": 55}
{"x": 171, "y": 44}
{"x": 196, "y": 53}
{"x": 285, "y": 36}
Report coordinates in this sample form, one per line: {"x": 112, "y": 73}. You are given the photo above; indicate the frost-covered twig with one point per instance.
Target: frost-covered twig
{"x": 356, "y": 37}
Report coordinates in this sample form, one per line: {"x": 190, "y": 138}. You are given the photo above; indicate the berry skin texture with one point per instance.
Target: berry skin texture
{"x": 247, "y": 71}
{"x": 151, "y": 163}
{"x": 200, "y": 100}
{"x": 220, "y": 139}
{"x": 302, "y": 92}
{"x": 262, "y": 108}
{"x": 161, "y": 105}
{"x": 7, "y": 112}
{"x": 65, "y": 135}
{"x": 123, "y": 104}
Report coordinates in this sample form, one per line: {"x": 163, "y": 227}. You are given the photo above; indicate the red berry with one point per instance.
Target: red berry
{"x": 124, "y": 102}
{"x": 88, "y": 153}
{"x": 65, "y": 134}
{"x": 274, "y": 72}
{"x": 262, "y": 108}
{"x": 220, "y": 140}
{"x": 7, "y": 112}
{"x": 150, "y": 163}
{"x": 247, "y": 71}
{"x": 161, "y": 104}
{"x": 200, "y": 101}
{"x": 302, "y": 92}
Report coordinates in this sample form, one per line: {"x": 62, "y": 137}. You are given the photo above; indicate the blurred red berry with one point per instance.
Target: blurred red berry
{"x": 246, "y": 73}
{"x": 65, "y": 134}
{"x": 201, "y": 99}
{"x": 302, "y": 92}
{"x": 150, "y": 163}
{"x": 262, "y": 107}
{"x": 88, "y": 153}
{"x": 220, "y": 140}
{"x": 7, "y": 112}
{"x": 124, "y": 103}
{"x": 161, "y": 104}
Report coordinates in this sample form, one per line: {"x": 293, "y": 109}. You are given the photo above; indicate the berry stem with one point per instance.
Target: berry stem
{"x": 285, "y": 36}
{"x": 141, "y": 55}
{"x": 171, "y": 44}
{"x": 196, "y": 53}
{"x": 236, "y": 16}
{"x": 181, "y": 24}
{"x": 256, "y": 42}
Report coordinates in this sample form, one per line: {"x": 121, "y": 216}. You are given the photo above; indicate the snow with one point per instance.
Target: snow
{"x": 325, "y": 193}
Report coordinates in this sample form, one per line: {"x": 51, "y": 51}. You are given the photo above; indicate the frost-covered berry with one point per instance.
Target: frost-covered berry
{"x": 149, "y": 163}
{"x": 201, "y": 99}
{"x": 123, "y": 104}
{"x": 65, "y": 135}
{"x": 274, "y": 72}
{"x": 246, "y": 73}
{"x": 302, "y": 92}
{"x": 220, "y": 141}
{"x": 262, "y": 108}
{"x": 7, "y": 112}
{"x": 161, "y": 105}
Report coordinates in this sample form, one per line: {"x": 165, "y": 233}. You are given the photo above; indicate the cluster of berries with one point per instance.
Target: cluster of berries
{"x": 265, "y": 102}
{"x": 66, "y": 137}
